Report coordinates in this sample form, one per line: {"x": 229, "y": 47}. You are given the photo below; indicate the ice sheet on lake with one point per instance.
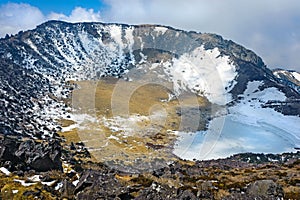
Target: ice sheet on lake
{"x": 247, "y": 128}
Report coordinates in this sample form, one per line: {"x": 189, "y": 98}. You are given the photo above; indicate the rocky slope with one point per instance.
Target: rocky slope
{"x": 288, "y": 77}
{"x": 242, "y": 176}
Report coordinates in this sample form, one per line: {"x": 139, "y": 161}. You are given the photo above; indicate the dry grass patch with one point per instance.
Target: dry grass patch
{"x": 144, "y": 115}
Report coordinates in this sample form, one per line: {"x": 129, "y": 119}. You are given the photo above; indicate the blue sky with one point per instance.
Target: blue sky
{"x": 268, "y": 27}
{"x": 60, "y": 6}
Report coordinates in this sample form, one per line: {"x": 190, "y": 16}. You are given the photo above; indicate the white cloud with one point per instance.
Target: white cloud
{"x": 78, "y": 15}
{"x": 15, "y": 17}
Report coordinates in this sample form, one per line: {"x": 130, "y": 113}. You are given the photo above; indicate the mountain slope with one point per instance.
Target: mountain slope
{"x": 288, "y": 77}
{"x": 40, "y": 68}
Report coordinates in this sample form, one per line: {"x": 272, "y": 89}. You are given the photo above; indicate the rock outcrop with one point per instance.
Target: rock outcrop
{"x": 16, "y": 155}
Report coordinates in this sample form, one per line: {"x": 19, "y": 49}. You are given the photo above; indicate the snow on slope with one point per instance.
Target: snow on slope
{"x": 247, "y": 128}
{"x": 161, "y": 29}
{"x": 296, "y": 75}
{"x": 292, "y": 74}
{"x": 289, "y": 75}
{"x": 85, "y": 56}
{"x": 204, "y": 72}
{"x": 79, "y": 55}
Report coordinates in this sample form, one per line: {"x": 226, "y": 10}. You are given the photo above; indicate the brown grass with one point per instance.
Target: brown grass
{"x": 110, "y": 97}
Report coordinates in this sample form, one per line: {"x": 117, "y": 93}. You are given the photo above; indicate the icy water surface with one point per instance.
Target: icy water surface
{"x": 226, "y": 137}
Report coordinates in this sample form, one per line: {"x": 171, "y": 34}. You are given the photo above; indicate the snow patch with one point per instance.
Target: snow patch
{"x": 81, "y": 118}
{"x": 5, "y": 171}
{"x": 50, "y": 183}
{"x": 296, "y": 75}
{"x": 58, "y": 186}
{"x": 130, "y": 42}
{"x": 127, "y": 126}
{"x": 113, "y": 137}
{"x": 116, "y": 34}
{"x": 23, "y": 182}
{"x": 69, "y": 128}
{"x": 134, "y": 124}
{"x": 253, "y": 93}
{"x": 204, "y": 72}
{"x": 75, "y": 183}
{"x": 35, "y": 178}
{"x": 160, "y": 29}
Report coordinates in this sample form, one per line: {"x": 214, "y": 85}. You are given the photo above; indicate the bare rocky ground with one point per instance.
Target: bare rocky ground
{"x": 55, "y": 170}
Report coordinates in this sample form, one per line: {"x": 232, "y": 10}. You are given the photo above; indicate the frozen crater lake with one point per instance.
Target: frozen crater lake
{"x": 246, "y": 128}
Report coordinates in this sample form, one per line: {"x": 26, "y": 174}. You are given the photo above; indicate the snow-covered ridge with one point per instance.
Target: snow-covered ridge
{"x": 292, "y": 76}
{"x": 83, "y": 56}
{"x": 289, "y": 78}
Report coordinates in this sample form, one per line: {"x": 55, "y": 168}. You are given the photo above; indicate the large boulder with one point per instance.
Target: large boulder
{"x": 265, "y": 189}
{"x": 29, "y": 154}
{"x": 100, "y": 184}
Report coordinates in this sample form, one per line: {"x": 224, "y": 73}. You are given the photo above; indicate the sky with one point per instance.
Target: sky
{"x": 271, "y": 28}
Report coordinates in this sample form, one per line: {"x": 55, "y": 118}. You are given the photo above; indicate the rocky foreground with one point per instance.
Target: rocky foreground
{"x": 54, "y": 170}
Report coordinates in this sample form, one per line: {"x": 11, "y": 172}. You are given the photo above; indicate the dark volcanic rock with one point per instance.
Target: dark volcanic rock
{"x": 99, "y": 185}
{"x": 7, "y": 149}
{"x": 67, "y": 191}
{"x": 31, "y": 154}
{"x": 265, "y": 189}
{"x": 260, "y": 190}
{"x": 187, "y": 195}
{"x": 20, "y": 90}
{"x": 157, "y": 192}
